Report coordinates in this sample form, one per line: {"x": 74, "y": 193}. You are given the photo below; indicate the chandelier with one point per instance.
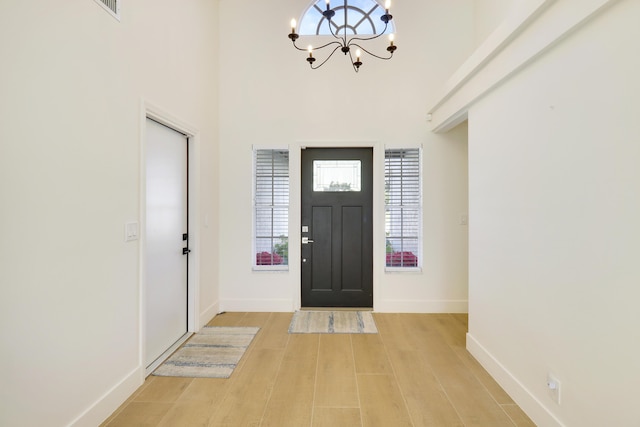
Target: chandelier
{"x": 342, "y": 41}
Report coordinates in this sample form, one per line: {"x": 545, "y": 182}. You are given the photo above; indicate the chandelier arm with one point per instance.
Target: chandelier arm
{"x": 356, "y": 69}
{"x": 329, "y": 44}
{"x": 327, "y": 58}
{"x": 364, "y": 39}
{"x": 373, "y": 54}
{"x": 343, "y": 39}
{"x": 319, "y": 47}
{"x": 350, "y": 56}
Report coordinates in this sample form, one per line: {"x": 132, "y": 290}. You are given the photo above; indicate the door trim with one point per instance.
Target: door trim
{"x": 148, "y": 110}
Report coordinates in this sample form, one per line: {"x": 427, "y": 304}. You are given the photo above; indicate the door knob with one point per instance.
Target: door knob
{"x": 185, "y": 251}
{"x": 306, "y": 240}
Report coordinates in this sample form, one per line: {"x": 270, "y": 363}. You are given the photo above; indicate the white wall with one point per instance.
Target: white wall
{"x": 553, "y": 244}
{"x": 488, "y": 15}
{"x": 270, "y": 97}
{"x": 72, "y": 80}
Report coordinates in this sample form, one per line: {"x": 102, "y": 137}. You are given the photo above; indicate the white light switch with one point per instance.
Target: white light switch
{"x": 130, "y": 231}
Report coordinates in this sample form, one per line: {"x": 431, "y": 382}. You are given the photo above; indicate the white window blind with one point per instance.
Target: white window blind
{"x": 403, "y": 203}
{"x": 271, "y": 208}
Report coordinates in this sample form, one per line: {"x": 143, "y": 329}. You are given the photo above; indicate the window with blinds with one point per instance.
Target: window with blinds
{"x": 403, "y": 207}
{"x": 271, "y": 209}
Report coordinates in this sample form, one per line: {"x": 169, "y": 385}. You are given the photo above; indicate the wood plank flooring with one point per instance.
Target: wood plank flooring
{"x": 414, "y": 372}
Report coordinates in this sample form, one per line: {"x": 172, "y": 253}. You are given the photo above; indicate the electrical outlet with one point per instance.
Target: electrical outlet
{"x": 553, "y": 384}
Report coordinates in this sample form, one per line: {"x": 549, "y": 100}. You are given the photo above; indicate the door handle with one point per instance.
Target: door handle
{"x": 185, "y": 251}
{"x": 306, "y": 240}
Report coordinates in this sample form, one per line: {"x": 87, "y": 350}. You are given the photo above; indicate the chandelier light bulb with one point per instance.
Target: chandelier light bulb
{"x": 391, "y": 38}
{"x": 293, "y": 25}
{"x": 311, "y": 59}
{"x": 358, "y": 55}
{"x": 387, "y": 5}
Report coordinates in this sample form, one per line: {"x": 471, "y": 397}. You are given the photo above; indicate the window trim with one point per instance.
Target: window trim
{"x": 420, "y": 207}
{"x": 254, "y": 265}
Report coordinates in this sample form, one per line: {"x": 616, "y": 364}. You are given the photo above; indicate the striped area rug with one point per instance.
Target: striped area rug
{"x": 213, "y": 352}
{"x": 332, "y": 322}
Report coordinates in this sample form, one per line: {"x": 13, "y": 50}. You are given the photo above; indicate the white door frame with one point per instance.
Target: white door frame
{"x": 151, "y": 111}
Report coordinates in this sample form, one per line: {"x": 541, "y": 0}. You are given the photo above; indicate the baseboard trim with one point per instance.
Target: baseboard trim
{"x": 111, "y": 400}
{"x": 257, "y": 305}
{"x": 381, "y": 306}
{"x": 208, "y": 314}
{"x": 168, "y": 352}
{"x": 534, "y": 408}
{"x": 421, "y": 306}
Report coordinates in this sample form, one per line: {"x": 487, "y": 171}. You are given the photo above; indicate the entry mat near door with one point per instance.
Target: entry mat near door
{"x": 213, "y": 352}
{"x": 332, "y": 322}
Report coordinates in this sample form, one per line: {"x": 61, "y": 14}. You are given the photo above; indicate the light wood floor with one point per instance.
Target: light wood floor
{"x": 415, "y": 372}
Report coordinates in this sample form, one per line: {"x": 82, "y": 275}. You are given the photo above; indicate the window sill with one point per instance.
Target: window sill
{"x": 271, "y": 269}
{"x": 403, "y": 269}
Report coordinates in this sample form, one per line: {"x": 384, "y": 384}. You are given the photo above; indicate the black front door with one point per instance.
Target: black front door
{"x": 337, "y": 231}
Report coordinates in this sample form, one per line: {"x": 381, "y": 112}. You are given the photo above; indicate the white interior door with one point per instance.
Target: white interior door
{"x": 166, "y": 222}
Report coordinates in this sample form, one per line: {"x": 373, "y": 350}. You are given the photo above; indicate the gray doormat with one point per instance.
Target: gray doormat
{"x": 332, "y": 322}
{"x": 213, "y": 352}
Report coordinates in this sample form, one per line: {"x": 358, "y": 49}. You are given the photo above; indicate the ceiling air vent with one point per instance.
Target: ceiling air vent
{"x": 111, "y": 6}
